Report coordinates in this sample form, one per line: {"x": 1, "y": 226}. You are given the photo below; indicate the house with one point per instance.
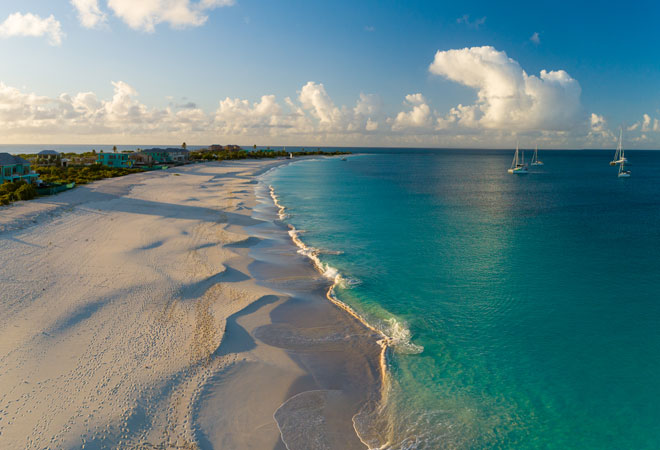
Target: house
{"x": 119, "y": 160}
{"x": 168, "y": 155}
{"x": 220, "y": 148}
{"x": 141, "y": 159}
{"x": 83, "y": 160}
{"x": 49, "y": 158}
{"x": 14, "y": 168}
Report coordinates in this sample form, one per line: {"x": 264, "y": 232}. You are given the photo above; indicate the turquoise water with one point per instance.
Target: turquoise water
{"x": 532, "y": 302}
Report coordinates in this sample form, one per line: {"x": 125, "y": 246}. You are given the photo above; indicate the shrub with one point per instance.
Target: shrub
{"x": 19, "y": 190}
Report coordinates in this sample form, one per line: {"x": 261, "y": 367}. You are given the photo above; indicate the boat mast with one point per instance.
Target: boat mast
{"x": 535, "y": 158}
{"x": 514, "y": 163}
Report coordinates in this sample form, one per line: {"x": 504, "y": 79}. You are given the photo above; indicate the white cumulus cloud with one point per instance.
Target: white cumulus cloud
{"x": 646, "y": 122}
{"x": 417, "y": 117}
{"x": 599, "y": 133}
{"x": 237, "y": 116}
{"x": 18, "y": 24}
{"x": 146, "y": 14}
{"x": 89, "y": 13}
{"x": 315, "y": 99}
{"x": 509, "y": 98}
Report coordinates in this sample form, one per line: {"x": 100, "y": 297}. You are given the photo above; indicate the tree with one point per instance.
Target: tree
{"x": 254, "y": 146}
{"x": 114, "y": 148}
{"x": 184, "y": 146}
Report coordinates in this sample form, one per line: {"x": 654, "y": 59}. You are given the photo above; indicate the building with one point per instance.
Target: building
{"x": 14, "y": 168}
{"x": 119, "y": 160}
{"x": 49, "y": 158}
{"x": 83, "y": 160}
{"x": 168, "y": 155}
{"x": 220, "y": 148}
{"x": 141, "y": 159}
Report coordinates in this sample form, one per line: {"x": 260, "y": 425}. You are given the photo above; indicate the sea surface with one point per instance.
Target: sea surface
{"x": 523, "y": 310}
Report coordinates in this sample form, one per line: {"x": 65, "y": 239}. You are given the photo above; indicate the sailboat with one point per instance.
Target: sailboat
{"x": 623, "y": 173}
{"x": 518, "y": 165}
{"x": 535, "y": 157}
{"x": 619, "y": 157}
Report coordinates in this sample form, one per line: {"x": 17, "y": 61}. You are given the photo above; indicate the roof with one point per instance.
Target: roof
{"x": 164, "y": 150}
{"x": 49, "y": 152}
{"x": 9, "y": 160}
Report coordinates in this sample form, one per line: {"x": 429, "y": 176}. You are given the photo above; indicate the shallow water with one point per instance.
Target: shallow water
{"x": 523, "y": 309}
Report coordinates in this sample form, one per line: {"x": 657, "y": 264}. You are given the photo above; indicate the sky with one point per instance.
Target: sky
{"x": 336, "y": 73}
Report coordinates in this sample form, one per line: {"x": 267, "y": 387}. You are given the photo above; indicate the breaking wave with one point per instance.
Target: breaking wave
{"x": 394, "y": 332}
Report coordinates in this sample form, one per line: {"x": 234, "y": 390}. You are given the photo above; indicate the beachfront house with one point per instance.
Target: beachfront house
{"x": 14, "y": 168}
{"x": 49, "y": 158}
{"x": 168, "y": 155}
{"x": 141, "y": 159}
{"x": 83, "y": 160}
{"x": 120, "y": 160}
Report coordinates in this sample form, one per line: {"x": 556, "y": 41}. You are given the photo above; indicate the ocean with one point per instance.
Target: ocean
{"x": 523, "y": 311}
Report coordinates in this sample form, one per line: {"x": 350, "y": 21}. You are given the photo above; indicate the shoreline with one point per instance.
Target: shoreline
{"x": 383, "y": 340}
{"x": 184, "y": 269}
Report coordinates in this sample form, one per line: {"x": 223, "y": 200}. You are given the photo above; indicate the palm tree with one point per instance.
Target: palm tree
{"x": 184, "y": 146}
{"x": 114, "y": 148}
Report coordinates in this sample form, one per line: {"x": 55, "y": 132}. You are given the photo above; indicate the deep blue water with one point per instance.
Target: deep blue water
{"x": 535, "y": 298}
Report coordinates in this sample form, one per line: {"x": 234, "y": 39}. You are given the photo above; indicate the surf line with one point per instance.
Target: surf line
{"x": 384, "y": 341}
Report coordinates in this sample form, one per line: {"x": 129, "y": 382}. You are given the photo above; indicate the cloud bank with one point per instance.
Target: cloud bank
{"x": 510, "y": 105}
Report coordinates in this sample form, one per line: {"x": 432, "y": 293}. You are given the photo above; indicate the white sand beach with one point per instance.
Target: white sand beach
{"x": 130, "y": 317}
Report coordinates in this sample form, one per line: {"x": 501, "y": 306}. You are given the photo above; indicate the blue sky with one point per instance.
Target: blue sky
{"x": 174, "y": 61}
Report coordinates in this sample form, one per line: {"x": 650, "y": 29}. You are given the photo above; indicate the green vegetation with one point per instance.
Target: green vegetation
{"x": 55, "y": 175}
{"x": 19, "y": 190}
{"x": 222, "y": 155}
{"x": 80, "y": 174}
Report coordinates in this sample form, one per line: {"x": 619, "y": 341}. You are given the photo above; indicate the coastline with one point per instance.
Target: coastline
{"x": 384, "y": 341}
{"x": 183, "y": 315}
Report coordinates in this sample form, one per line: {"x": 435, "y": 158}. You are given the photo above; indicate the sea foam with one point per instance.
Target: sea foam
{"x": 394, "y": 333}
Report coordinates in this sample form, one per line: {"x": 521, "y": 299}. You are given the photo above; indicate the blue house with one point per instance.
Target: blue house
{"x": 114, "y": 160}
{"x": 14, "y": 168}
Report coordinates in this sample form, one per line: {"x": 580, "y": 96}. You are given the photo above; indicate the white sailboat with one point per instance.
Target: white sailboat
{"x": 623, "y": 173}
{"x": 619, "y": 157}
{"x": 518, "y": 165}
{"x": 535, "y": 157}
